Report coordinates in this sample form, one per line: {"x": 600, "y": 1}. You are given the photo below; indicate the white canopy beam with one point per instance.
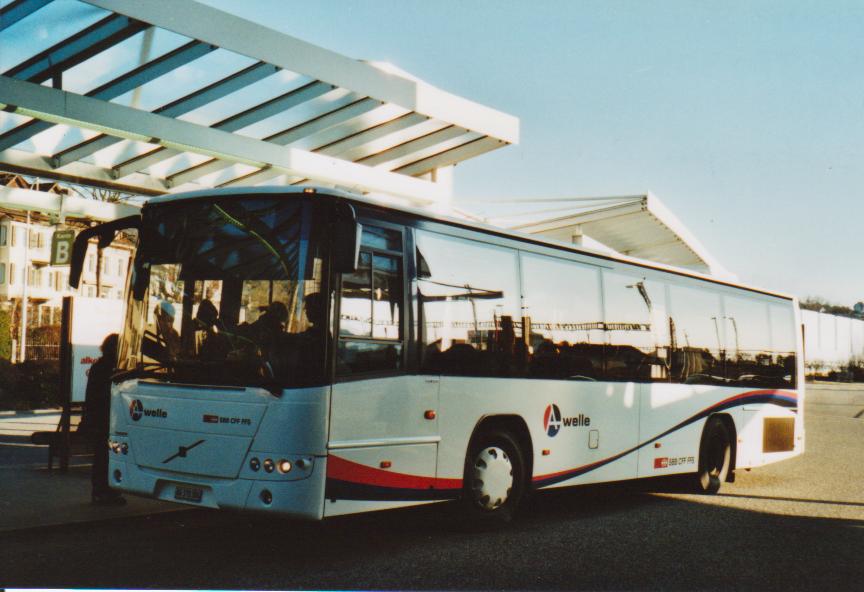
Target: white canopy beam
{"x": 58, "y": 106}
{"x": 262, "y": 43}
{"x": 284, "y": 138}
{"x": 28, "y": 200}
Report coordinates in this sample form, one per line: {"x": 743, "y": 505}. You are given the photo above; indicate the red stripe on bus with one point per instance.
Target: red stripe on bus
{"x": 346, "y": 470}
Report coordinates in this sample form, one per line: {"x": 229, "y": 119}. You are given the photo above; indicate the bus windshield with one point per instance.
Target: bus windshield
{"x": 228, "y": 293}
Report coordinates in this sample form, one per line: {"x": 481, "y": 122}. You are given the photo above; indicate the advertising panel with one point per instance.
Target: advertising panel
{"x": 93, "y": 319}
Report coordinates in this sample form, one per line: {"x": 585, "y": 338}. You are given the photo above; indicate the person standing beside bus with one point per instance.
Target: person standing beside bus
{"x": 97, "y": 411}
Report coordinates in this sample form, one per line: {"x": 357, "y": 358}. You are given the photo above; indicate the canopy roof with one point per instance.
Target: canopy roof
{"x": 639, "y": 226}
{"x": 172, "y": 95}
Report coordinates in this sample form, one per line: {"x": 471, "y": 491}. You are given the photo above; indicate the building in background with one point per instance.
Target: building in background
{"x": 833, "y": 345}
{"x": 26, "y": 273}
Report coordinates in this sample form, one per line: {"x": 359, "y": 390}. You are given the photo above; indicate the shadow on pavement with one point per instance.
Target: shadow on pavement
{"x": 792, "y": 499}
{"x": 597, "y": 538}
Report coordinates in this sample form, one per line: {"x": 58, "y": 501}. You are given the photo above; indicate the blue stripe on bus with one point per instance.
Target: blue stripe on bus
{"x": 773, "y": 397}
{"x": 337, "y": 489}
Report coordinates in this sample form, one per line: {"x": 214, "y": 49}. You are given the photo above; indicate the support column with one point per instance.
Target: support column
{"x": 444, "y": 177}
{"x": 22, "y": 355}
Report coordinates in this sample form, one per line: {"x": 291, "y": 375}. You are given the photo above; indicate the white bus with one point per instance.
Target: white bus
{"x": 312, "y": 353}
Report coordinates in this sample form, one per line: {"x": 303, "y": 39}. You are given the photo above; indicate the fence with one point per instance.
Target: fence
{"x": 43, "y": 343}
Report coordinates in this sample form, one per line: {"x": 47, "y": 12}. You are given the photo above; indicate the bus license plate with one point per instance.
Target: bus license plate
{"x": 188, "y": 494}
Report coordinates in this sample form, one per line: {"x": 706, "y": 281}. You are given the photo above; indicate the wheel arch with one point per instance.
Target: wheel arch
{"x": 729, "y": 424}
{"x": 515, "y": 425}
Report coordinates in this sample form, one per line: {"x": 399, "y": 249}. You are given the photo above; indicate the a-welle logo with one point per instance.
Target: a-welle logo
{"x": 137, "y": 411}
{"x": 553, "y": 420}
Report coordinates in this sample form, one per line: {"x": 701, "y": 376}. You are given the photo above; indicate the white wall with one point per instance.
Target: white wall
{"x": 831, "y": 342}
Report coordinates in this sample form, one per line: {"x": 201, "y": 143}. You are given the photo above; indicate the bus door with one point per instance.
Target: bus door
{"x": 383, "y": 421}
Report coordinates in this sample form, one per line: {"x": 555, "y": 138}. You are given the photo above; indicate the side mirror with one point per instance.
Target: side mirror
{"x": 346, "y": 238}
{"x": 105, "y": 233}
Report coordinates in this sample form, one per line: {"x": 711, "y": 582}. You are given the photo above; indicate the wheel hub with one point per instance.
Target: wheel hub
{"x": 492, "y": 478}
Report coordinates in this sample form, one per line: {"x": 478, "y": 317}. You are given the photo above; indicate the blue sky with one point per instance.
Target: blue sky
{"x": 744, "y": 118}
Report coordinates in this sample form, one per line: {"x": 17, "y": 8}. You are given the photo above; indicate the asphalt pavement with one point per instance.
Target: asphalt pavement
{"x": 32, "y": 496}
{"x": 793, "y": 525}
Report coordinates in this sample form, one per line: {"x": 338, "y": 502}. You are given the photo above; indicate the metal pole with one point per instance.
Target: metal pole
{"x": 65, "y": 380}
{"x": 24, "y": 294}
{"x": 737, "y": 346}
{"x": 98, "y": 272}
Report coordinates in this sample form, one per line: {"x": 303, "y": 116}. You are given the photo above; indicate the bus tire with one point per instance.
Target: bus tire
{"x": 715, "y": 457}
{"x": 494, "y": 482}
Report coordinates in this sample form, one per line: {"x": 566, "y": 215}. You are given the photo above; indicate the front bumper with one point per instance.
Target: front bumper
{"x": 303, "y": 498}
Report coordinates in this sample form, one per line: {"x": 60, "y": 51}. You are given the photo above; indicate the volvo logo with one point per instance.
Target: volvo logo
{"x": 182, "y": 452}
{"x": 552, "y": 420}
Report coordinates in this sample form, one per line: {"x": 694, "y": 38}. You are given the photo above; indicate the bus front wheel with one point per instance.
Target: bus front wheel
{"x": 715, "y": 457}
{"x": 494, "y": 477}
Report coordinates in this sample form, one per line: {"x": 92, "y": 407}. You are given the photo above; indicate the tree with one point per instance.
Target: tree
{"x": 821, "y": 305}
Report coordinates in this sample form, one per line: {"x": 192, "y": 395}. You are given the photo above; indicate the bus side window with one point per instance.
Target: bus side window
{"x": 468, "y": 305}
{"x": 563, "y": 319}
{"x": 748, "y": 342}
{"x": 370, "y": 310}
{"x": 637, "y": 329}
{"x": 696, "y": 321}
{"x": 783, "y": 344}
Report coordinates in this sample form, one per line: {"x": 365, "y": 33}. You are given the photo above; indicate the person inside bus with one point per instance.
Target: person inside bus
{"x": 167, "y": 335}
{"x": 97, "y": 410}
{"x": 256, "y": 344}
{"x": 214, "y": 344}
{"x": 265, "y": 331}
{"x": 307, "y": 347}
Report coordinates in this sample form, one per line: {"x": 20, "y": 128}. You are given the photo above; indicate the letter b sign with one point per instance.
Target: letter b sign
{"x": 61, "y": 247}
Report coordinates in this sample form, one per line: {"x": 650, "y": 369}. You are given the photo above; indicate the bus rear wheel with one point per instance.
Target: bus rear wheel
{"x": 715, "y": 457}
{"x": 494, "y": 481}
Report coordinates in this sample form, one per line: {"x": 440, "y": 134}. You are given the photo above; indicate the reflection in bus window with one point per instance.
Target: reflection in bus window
{"x": 697, "y": 336}
{"x": 469, "y": 303}
{"x": 370, "y": 307}
{"x": 748, "y": 342}
{"x": 783, "y": 344}
{"x": 356, "y": 307}
{"x": 563, "y": 319}
{"x": 637, "y": 329}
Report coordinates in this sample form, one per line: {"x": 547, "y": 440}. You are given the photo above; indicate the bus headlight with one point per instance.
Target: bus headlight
{"x": 284, "y": 466}
{"x": 254, "y": 464}
{"x": 268, "y": 465}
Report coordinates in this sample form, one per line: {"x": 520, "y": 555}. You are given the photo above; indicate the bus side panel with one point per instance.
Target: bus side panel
{"x": 671, "y": 425}
{"x": 381, "y": 477}
{"x": 674, "y": 415}
{"x": 768, "y": 434}
{"x": 383, "y": 444}
{"x": 590, "y": 429}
